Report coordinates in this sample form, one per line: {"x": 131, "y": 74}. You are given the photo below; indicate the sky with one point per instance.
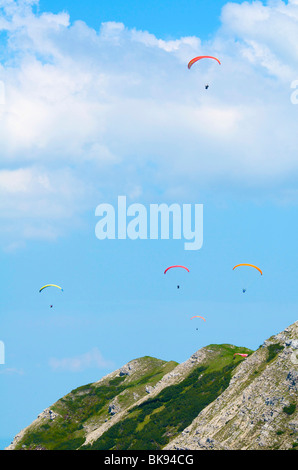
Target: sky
{"x": 97, "y": 102}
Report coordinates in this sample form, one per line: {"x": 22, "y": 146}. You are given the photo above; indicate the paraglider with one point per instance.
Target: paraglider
{"x": 176, "y": 266}
{"x": 198, "y": 316}
{"x": 195, "y": 59}
{"x": 249, "y": 266}
{"x": 50, "y": 285}
{"x": 241, "y": 354}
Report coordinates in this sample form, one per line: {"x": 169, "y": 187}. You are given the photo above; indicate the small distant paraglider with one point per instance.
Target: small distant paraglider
{"x": 50, "y": 285}
{"x": 241, "y": 354}
{"x": 176, "y": 266}
{"x": 196, "y": 59}
{"x": 249, "y": 266}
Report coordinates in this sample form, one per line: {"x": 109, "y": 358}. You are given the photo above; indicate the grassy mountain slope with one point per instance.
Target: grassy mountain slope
{"x": 142, "y": 405}
{"x": 66, "y": 423}
{"x": 153, "y": 423}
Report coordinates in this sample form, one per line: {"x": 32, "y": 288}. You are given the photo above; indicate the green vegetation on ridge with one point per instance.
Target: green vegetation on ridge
{"x": 150, "y": 425}
{"x": 91, "y": 402}
{"x": 156, "y": 421}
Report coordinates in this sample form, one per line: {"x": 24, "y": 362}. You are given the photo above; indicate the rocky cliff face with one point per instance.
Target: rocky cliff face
{"x": 259, "y": 408}
{"x": 214, "y": 400}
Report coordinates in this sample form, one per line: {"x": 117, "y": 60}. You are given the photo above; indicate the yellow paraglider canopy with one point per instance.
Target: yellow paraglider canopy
{"x": 50, "y": 285}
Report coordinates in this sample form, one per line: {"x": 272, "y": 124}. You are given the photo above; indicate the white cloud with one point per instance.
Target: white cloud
{"x": 269, "y": 31}
{"x": 91, "y": 359}
{"x": 39, "y": 204}
{"x": 38, "y": 193}
{"x": 101, "y": 111}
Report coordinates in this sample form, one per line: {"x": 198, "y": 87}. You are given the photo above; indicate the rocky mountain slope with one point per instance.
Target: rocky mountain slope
{"x": 214, "y": 400}
{"x": 259, "y": 408}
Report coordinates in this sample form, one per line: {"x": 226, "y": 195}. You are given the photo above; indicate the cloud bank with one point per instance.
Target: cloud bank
{"x": 93, "y": 113}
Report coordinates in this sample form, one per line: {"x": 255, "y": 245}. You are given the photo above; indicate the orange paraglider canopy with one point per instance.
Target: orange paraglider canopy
{"x": 246, "y": 264}
{"x": 198, "y": 316}
{"x": 195, "y": 59}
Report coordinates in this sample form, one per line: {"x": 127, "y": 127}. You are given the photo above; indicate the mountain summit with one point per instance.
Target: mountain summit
{"x": 217, "y": 399}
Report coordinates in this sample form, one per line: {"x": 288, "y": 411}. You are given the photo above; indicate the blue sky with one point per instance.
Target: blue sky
{"x": 99, "y": 102}
{"x": 169, "y": 19}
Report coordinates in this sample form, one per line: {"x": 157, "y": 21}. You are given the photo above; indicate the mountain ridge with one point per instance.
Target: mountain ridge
{"x": 213, "y": 400}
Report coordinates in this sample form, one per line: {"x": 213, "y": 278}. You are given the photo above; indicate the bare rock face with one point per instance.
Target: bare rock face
{"x": 128, "y": 369}
{"x": 48, "y": 414}
{"x": 114, "y": 407}
{"x": 259, "y": 409}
